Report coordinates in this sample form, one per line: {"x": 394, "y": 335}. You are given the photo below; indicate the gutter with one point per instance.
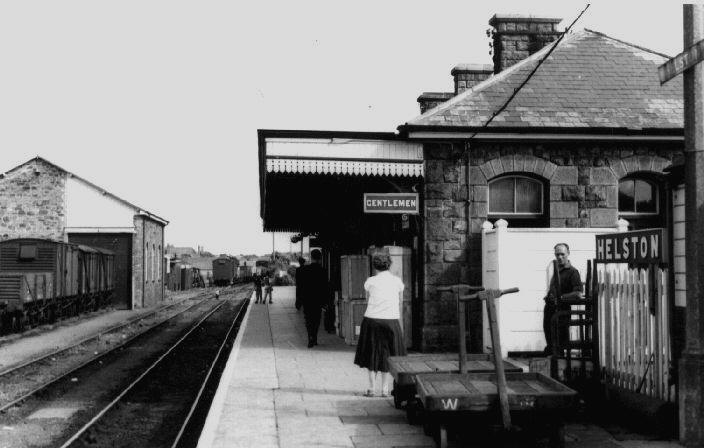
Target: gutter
{"x": 544, "y": 136}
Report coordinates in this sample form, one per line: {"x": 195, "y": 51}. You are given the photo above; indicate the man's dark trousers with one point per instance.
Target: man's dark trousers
{"x": 312, "y": 317}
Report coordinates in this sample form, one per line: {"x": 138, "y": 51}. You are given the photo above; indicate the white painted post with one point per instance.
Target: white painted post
{"x": 501, "y": 225}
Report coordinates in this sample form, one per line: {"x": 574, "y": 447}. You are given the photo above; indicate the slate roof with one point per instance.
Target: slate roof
{"x": 589, "y": 81}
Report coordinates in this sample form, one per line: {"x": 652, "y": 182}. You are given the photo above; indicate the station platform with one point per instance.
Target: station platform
{"x": 277, "y": 393}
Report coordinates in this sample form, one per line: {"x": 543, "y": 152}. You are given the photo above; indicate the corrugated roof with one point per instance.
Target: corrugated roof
{"x": 589, "y": 81}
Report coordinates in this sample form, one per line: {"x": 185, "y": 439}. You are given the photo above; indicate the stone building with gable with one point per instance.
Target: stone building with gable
{"x": 584, "y": 142}
{"x": 577, "y": 135}
{"x": 39, "y": 199}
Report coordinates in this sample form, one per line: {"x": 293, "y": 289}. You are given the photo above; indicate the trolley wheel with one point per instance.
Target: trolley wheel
{"x": 430, "y": 428}
{"x": 414, "y": 412}
{"x": 396, "y": 392}
{"x": 557, "y": 436}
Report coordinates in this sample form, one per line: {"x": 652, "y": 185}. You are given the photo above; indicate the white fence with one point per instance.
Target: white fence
{"x": 634, "y": 329}
{"x": 523, "y": 257}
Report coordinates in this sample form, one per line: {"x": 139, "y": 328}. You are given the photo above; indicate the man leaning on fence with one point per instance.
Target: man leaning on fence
{"x": 564, "y": 286}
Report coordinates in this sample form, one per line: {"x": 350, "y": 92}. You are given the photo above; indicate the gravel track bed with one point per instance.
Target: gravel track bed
{"x": 157, "y": 407}
{"x": 19, "y": 382}
{"x": 50, "y": 416}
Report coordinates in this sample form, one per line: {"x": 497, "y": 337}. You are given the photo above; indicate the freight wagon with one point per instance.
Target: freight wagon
{"x": 224, "y": 270}
{"x": 44, "y": 280}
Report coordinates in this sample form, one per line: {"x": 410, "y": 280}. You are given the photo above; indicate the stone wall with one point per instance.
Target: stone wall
{"x": 147, "y": 259}
{"x": 32, "y": 202}
{"x": 582, "y": 186}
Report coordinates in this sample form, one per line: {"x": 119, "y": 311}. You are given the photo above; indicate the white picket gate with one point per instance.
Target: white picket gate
{"x": 634, "y": 329}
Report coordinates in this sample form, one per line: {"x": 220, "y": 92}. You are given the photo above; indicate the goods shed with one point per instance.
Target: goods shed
{"x": 39, "y": 199}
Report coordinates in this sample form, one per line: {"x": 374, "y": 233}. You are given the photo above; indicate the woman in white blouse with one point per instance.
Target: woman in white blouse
{"x": 380, "y": 335}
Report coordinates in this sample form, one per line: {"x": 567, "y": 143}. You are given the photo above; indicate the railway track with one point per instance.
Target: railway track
{"x": 19, "y": 382}
{"x": 161, "y": 404}
{"x": 70, "y": 407}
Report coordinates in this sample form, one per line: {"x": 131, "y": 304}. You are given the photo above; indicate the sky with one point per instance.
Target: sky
{"x": 159, "y": 102}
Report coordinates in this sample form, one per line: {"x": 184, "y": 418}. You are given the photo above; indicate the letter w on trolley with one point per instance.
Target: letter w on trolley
{"x": 449, "y": 404}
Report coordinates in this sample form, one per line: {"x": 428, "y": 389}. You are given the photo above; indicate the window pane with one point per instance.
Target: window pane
{"x": 645, "y": 197}
{"x": 501, "y": 196}
{"x": 626, "y": 200}
{"x": 529, "y": 196}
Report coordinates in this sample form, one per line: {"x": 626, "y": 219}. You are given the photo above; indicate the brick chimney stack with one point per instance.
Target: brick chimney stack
{"x": 428, "y": 100}
{"x": 518, "y": 36}
{"x": 467, "y": 76}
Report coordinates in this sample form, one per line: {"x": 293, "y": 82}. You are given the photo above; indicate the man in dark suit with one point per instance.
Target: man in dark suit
{"x": 300, "y": 273}
{"x": 312, "y": 286}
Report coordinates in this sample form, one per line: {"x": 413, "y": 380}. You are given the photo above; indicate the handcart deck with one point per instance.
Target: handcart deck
{"x": 472, "y": 400}
{"x": 478, "y": 392}
{"x": 404, "y": 369}
{"x": 468, "y": 399}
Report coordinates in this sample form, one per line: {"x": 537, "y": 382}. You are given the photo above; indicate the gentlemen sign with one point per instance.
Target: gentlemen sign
{"x": 639, "y": 247}
{"x": 391, "y": 203}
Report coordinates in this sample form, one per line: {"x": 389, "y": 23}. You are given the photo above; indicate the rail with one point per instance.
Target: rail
{"x": 149, "y": 369}
{"x": 90, "y": 360}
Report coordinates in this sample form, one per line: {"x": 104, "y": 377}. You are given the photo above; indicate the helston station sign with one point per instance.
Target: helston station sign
{"x": 391, "y": 203}
{"x": 637, "y": 247}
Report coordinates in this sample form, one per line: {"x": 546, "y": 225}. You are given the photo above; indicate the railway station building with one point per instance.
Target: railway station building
{"x": 39, "y": 199}
{"x": 584, "y": 143}
{"x": 551, "y": 143}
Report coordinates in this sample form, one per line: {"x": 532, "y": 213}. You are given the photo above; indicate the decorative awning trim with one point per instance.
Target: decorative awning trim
{"x": 351, "y": 167}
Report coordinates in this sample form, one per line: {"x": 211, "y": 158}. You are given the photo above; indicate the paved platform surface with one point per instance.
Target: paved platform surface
{"x": 18, "y": 348}
{"x": 275, "y": 392}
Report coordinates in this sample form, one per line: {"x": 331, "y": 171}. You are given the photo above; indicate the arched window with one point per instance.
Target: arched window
{"x": 639, "y": 202}
{"x": 516, "y": 195}
{"x": 637, "y": 196}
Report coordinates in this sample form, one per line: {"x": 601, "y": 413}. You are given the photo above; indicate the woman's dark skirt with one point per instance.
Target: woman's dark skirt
{"x": 379, "y": 339}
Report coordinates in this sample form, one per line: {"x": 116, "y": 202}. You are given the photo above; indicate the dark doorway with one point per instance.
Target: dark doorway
{"x": 121, "y": 244}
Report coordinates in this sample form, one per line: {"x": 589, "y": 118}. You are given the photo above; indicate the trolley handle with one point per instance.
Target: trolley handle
{"x": 472, "y": 288}
{"x": 485, "y": 294}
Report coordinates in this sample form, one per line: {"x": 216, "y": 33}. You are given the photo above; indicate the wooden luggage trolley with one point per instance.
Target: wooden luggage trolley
{"x": 405, "y": 368}
{"x": 475, "y": 399}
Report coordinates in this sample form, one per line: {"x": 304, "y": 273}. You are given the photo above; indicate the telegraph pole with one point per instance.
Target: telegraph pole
{"x": 691, "y": 367}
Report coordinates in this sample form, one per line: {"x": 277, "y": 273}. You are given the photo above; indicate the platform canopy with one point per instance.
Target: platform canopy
{"x": 312, "y": 179}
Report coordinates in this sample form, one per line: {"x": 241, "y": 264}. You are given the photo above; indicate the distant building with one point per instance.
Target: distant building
{"x": 181, "y": 251}
{"x": 39, "y": 199}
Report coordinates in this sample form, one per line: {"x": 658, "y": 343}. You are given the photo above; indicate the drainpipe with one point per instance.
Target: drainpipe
{"x": 144, "y": 264}
{"x": 468, "y": 203}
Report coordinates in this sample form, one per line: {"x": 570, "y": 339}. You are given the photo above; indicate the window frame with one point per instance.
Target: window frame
{"x": 635, "y": 213}
{"x": 516, "y": 214}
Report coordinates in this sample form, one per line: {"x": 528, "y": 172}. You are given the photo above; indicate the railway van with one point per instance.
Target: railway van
{"x": 42, "y": 280}
{"x": 224, "y": 270}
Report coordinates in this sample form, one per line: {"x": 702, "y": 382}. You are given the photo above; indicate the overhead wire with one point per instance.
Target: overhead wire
{"x": 530, "y": 75}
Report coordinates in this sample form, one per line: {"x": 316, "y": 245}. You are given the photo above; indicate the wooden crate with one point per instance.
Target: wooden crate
{"x": 351, "y": 319}
{"x": 354, "y": 271}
